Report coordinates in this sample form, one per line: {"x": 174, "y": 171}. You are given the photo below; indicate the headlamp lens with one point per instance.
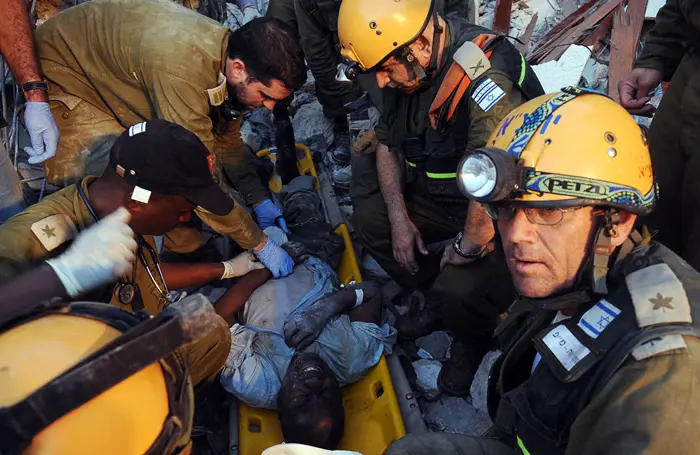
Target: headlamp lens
{"x": 477, "y": 176}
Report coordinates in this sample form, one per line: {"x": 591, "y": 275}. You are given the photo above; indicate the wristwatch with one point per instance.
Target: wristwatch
{"x": 459, "y": 251}
{"x": 35, "y": 85}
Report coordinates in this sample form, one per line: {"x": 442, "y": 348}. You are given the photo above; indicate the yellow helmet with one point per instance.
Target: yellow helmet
{"x": 570, "y": 148}
{"x": 370, "y": 30}
{"x": 90, "y": 378}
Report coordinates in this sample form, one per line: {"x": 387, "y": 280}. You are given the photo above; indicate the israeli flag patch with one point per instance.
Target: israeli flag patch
{"x": 487, "y": 94}
{"x": 137, "y": 129}
{"x": 595, "y": 320}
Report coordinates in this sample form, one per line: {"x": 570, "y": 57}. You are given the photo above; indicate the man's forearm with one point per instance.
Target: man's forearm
{"x": 17, "y": 45}
{"x": 390, "y": 175}
{"x": 23, "y": 292}
{"x": 478, "y": 227}
{"x": 179, "y": 276}
{"x": 233, "y": 300}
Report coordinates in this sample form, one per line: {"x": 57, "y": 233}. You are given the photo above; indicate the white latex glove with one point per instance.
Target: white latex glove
{"x": 240, "y": 265}
{"x": 301, "y": 449}
{"x": 250, "y": 13}
{"x": 42, "y": 130}
{"x": 98, "y": 255}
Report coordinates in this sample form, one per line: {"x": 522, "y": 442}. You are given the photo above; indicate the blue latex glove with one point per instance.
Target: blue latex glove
{"x": 268, "y": 214}
{"x": 275, "y": 259}
{"x": 42, "y": 130}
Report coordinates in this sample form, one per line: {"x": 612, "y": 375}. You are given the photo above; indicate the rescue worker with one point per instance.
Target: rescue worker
{"x": 670, "y": 53}
{"x": 158, "y": 171}
{"x": 316, "y": 22}
{"x": 105, "y": 73}
{"x": 601, "y": 350}
{"x": 106, "y": 252}
{"x": 17, "y": 47}
{"x": 445, "y": 86}
{"x": 82, "y": 383}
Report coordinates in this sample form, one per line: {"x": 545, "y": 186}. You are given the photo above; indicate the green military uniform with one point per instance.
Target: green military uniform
{"x": 45, "y": 229}
{"x": 317, "y": 23}
{"x": 617, "y": 377}
{"x": 675, "y": 131}
{"x": 112, "y": 64}
{"x": 432, "y": 198}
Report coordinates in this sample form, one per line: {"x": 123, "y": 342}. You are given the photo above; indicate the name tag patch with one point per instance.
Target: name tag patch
{"x": 487, "y": 94}
{"x": 595, "y": 320}
{"x": 568, "y": 350}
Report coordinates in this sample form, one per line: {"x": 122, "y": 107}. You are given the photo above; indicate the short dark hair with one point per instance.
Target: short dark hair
{"x": 270, "y": 50}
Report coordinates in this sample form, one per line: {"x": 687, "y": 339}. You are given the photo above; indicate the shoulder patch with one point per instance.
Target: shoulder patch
{"x": 487, "y": 94}
{"x": 658, "y": 345}
{"x": 53, "y": 231}
{"x": 472, "y": 60}
{"x": 598, "y": 317}
{"x": 658, "y": 296}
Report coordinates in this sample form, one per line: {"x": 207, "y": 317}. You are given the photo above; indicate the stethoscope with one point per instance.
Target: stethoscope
{"x": 126, "y": 290}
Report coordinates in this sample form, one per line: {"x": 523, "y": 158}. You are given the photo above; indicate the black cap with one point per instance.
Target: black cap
{"x": 166, "y": 158}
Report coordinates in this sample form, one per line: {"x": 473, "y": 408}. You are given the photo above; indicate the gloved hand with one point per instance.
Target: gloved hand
{"x": 43, "y": 131}
{"x": 250, "y": 13}
{"x": 98, "y": 255}
{"x": 303, "y": 327}
{"x": 275, "y": 259}
{"x": 268, "y": 214}
{"x": 241, "y": 265}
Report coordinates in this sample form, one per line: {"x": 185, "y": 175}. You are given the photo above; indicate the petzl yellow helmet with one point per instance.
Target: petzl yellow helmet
{"x": 90, "y": 378}
{"x": 370, "y": 30}
{"x": 569, "y": 148}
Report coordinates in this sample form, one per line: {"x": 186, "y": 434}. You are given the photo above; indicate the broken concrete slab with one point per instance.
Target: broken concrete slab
{"x": 454, "y": 415}
{"x": 427, "y": 372}
{"x": 436, "y": 345}
{"x": 563, "y": 72}
{"x": 309, "y": 121}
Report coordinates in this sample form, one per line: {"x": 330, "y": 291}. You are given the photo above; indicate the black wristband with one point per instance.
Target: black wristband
{"x": 35, "y": 85}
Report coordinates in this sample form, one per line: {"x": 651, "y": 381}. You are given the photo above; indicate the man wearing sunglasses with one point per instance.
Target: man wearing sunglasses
{"x": 601, "y": 350}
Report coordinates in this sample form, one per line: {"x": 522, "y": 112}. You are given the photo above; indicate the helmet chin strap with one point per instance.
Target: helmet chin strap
{"x": 601, "y": 250}
{"x": 412, "y": 63}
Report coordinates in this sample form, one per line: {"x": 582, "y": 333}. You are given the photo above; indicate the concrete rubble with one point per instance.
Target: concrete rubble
{"x": 435, "y": 346}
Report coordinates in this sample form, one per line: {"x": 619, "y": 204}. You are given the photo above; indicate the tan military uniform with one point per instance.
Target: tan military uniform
{"x": 45, "y": 229}
{"x": 112, "y": 64}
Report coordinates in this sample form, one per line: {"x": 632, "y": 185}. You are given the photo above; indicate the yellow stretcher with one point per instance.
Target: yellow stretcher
{"x": 372, "y": 415}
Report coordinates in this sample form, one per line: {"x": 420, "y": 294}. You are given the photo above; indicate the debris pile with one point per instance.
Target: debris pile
{"x": 589, "y": 43}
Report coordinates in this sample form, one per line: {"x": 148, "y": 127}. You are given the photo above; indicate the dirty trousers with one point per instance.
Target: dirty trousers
{"x": 673, "y": 143}
{"x": 470, "y": 297}
{"x": 448, "y": 444}
{"x": 207, "y": 355}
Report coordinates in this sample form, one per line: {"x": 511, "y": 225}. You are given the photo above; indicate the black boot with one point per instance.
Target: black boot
{"x": 457, "y": 373}
{"x": 339, "y": 154}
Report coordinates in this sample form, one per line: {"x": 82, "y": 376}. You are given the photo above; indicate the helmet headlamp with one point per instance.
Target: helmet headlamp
{"x": 489, "y": 174}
